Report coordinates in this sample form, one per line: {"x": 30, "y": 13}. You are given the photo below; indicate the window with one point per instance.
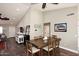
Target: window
{"x": 1, "y": 29}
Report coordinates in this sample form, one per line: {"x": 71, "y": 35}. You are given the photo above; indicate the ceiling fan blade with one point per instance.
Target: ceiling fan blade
{"x": 44, "y": 5}
{"x": 5, "y": 18}
{"x": 0, "y": 14}
{"x": 55, "y": 3}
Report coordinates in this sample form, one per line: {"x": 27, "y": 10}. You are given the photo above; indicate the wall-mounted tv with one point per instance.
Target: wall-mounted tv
{"x": 60, "y": 27}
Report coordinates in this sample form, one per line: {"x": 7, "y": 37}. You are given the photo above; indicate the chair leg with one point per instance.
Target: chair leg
{"x": 57, "y": 51}
{"x": 31, "y": 54}
{"x": 39, "y": 53}
{"x": 53, "y": 52}
{"x": 48, "y": 53}
{"x": 27, "y": 52}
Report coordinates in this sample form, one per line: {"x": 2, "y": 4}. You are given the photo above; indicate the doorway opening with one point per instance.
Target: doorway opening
{"x": 46, "y": 29}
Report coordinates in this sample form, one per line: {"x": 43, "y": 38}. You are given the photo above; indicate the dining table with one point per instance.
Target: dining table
{"x": 41, "y": 43}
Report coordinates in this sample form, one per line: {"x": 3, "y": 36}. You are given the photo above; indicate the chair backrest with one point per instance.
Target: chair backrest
{"x": 29, "y": 47}
{"x": 54, "y": 36}
{"x": 57, "y": 41}
{"x": 51, "y": 43}
{"x": 41, "y": 37}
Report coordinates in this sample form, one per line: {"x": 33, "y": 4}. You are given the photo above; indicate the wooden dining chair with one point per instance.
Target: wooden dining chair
{"x": 31, "y": 49}
{"x": 57, "y": 42}
{"x": 54, "y": 36}
{"x": 50, "y": 46}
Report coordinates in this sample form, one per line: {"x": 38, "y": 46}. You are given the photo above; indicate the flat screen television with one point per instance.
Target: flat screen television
{"x": 60, "y": 27}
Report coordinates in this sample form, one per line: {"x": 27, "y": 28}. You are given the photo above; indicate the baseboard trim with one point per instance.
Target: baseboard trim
{"x": 69, "y": 49}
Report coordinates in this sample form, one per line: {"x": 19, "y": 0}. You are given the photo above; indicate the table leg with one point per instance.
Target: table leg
{"x": 41, "y": 54}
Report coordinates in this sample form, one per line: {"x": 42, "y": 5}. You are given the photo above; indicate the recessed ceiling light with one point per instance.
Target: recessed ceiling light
{"x": 17, "y": 9}
{"x": 13, "y": 18}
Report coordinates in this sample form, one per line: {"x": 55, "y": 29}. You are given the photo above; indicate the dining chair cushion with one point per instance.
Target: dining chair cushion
{"x": 46, "y": 48}
{"x": 34, "y": 50}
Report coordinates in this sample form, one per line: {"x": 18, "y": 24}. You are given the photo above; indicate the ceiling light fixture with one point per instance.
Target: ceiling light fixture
{"x": 17, "y": 9}
{"x": 13, "y": 18}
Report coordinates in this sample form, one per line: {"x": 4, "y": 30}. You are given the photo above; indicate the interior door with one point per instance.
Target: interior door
{"x": 46, "y": 29}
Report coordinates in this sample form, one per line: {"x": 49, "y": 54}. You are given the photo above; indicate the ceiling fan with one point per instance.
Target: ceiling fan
{"x": 44, "y": 5}
{"x": 3, "y": 18}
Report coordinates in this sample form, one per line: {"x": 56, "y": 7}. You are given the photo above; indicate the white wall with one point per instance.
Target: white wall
{"x": 36, "y": 23}
{"x": 25, "y": 21}
{"x": 6, "y": 30}
{"x": 31, "y": 18}
{"x": 69, "y": 39}
{"x": 11, "y": 31}
{"x": 78, "y": 26}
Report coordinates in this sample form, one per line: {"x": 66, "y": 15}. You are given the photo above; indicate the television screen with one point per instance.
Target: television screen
{"x": 60, "y": 27}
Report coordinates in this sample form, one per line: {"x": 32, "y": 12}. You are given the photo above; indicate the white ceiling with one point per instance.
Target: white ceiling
{"x": 16, "y": 11}
{"x": 51, "y": 6}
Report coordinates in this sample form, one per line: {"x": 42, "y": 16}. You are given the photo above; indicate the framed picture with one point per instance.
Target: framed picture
{"x": 60, "y": 27}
